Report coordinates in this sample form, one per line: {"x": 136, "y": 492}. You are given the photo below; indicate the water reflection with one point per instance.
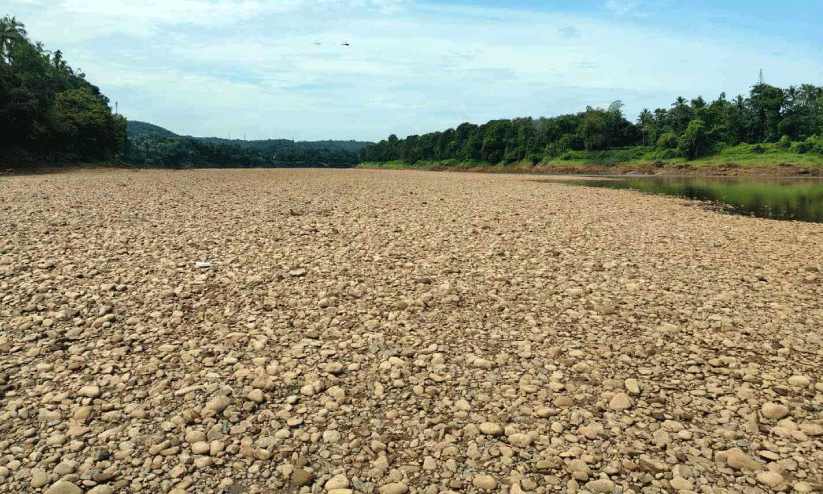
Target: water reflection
{"x": 776, "y": 198}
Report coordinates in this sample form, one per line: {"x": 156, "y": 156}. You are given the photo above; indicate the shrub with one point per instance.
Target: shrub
{"x": 799, "y": 147}
{"x": 814, "y": 144}
{"x": 667, "y": 141}
{"x": 785, "y": 142}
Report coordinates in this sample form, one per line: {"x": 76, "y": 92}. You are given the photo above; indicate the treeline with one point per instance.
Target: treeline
{"x": 135, "y": 128}
{"x": 689, "y": 129}
{"x": 48, "y": 111}
{"x": 153, "y": 150}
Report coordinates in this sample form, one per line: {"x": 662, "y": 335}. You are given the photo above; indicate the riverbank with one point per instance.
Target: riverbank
{"x": 51, "y": 168}
{"x": 279, "y": 330}
{"x": 769, "y": 165}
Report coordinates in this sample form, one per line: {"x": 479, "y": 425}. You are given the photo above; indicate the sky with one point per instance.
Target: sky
{"x": 279, "y": 68}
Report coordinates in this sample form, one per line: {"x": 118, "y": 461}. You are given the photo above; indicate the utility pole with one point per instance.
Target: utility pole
{"x": 115, "y": 108}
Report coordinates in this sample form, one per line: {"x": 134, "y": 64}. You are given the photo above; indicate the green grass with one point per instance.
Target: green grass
{"x": 745, "y": 156}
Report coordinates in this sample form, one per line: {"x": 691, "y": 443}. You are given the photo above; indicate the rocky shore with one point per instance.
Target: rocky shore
{"x": 390, "y": 332}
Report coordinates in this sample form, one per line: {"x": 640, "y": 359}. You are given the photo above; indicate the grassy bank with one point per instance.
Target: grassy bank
{"x": 745, "y": 159}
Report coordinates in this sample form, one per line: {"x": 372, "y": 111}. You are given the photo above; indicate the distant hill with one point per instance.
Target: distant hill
{"x": 136, "y": 128}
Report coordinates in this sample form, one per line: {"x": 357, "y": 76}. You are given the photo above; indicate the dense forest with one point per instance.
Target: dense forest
{"x": 48, "y": 111}
{"x": 156, "y": 151}
{"x": 153, "y": 146}
{"x": 791, "y": 118}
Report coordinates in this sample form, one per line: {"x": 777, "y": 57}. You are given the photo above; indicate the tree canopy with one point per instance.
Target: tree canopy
{"x": 48, "y": 111}
{"x": 688, "y": 128}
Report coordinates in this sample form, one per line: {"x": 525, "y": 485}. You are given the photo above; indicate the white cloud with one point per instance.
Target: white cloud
{"x": 212, "y": 67}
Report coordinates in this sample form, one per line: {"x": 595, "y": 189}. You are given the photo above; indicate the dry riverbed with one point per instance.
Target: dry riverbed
{"x": 400, "y": 332}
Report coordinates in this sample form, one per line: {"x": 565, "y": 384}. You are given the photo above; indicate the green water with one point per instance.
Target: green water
{"x": 781, "y": 199}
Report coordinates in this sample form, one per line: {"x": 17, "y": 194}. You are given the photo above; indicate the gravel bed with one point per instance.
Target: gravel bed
{"x": 391, "y": 332}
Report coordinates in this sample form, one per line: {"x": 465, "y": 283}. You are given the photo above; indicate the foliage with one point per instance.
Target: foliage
{"x": 667, "y": 141}
{"x": 48, "y": 109}
{"x": 689, "y": 129}
{"x": 696, "y": 141}
{"x": 153, "y": 150}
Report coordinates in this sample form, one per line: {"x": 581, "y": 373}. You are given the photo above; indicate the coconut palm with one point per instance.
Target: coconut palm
{"x": 10, "y": 31}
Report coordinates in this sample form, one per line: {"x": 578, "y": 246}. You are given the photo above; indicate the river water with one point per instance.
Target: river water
{"x": 781, "y": 198}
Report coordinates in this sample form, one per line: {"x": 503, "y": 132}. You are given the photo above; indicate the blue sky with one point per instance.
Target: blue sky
{"x": 277, "y": 69}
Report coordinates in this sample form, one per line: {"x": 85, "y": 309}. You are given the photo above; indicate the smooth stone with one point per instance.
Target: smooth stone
{"x": 774, "y": 411}
{"x": 485, "y": 482}
{"x": 601, "y": 486}
{"x": 90, "y": 391}
{"x": 219, "y": 403}
{"x": 620, "y": 401}
{"x": 102, "y": 489}
{"x": 39, "y": 479}
{"x": 563, "y": 401}
{"x": 395, "y": 488}
{"x": 300, "y": 478}
{"x": 681, "y": 484}
{"x": 737, "y": 459}
{"x": 337, "y": 482}
{"x": 769, "y": 478}
{"x": 64, "y": 487}
{"x": 491, "y": 429}
{"x": 195, "y": 437}
{"x": 200, "y": 448}
{"x": 800, "y": 381}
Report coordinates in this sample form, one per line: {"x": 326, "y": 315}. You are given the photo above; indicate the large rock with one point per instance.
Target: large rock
{"x": 620, "y": 401}
{"x": 737, "y": 459}
{"x": 64, "y": 487}
{"x": 774, "y": 411}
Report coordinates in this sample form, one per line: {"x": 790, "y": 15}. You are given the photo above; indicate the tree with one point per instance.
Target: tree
{"x": 86, "y": 124}
{"x": 647, "y": 125}
{"x": 593, "y": 129}
{"x": 11, "y": 31}
{"x": 696, "y": 141}
{"x": 681, "y": 114}
{"x": 766, "y": 102}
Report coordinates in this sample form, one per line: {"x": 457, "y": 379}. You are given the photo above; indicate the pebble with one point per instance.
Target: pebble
{"x": 89, "y": 391}
{"x": 800, "y": 381}
{"x": 485, "y": 482}
{"x": 63, "y": 487}
{"x": 681, "y": 484}
{"x": 769, "y": 478}
{"x": 394, "y": 488}
{"x": 300, "y": 478}
{"x": 739, "y": 460}
{"x": 601, "y": 486}
{"x": 337, "y": 482}
{"x": 441, "y": 332}
{"x": 620, "y": 401}
{"x": 39, "y": 479}
{"x": 256, "y": 395}
{"x": 774, "y": 411}
{"x": 491, "y": 429}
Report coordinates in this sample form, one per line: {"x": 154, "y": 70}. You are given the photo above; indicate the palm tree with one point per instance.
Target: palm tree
{"x": 10, "y": 31}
